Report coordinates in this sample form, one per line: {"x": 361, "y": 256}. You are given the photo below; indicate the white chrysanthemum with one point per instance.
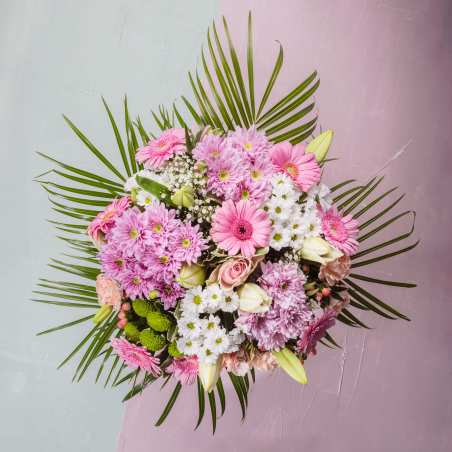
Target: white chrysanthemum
{"x": 313, "y": 191}
{"x": 325, "y": 199}
{"x": 193, "y": 301}
{"x": 279, "y": 209}
{"x": 188, "y": 346}
{"x": 210, "y": 323}
{"x": 297, "y": 228}
{"x": 213, "y": 295}
{"x": 145, "y": 199}
{"x": 314, "y": 225}
{"x": 217, "y": 340}
{"x": 230, "y": 302}
{"x": 206, "y": 356}
{"x": 286, "y": 192}
{"x": 279, "y": 238}
{"x": 310, "y": 206}
{"x": 189, "y": 325}
{"x": 238, "y": 335}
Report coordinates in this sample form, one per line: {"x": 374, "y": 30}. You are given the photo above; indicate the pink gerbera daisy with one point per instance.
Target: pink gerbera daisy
{"x": 105, "y": 220}
{"x": 170, "y": 142}
{"x": 135, "y": 356}
{"x": 338, "y": 229}
{"x": 315, "y": 331}
{"x": 184, "y": 369}
{"x": 241, "y": 227}
{"x": 302, "y": 168}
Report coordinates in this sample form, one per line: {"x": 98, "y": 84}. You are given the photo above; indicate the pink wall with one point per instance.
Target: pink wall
{"x": 385, "y": 72}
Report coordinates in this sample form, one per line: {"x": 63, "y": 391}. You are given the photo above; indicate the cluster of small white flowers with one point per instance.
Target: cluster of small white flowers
{"x": 205, "y": 337}
{"x": 293, "y": 214}
{"x": 179, "y": 172}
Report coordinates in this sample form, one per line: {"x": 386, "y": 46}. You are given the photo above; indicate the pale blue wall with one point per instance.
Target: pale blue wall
{"x": 59, "y": 57}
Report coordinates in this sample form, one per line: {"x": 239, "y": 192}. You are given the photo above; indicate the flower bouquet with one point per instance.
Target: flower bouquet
{"x": 219, "y": 251}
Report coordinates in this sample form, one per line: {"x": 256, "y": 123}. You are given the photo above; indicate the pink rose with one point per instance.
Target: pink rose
{"x": 335, "y": 270}
{"x": 234, "y": 271}
{"x": 265, "y": 361}
{"x": 237, "y": 363}
{"x": 108, "y": 292}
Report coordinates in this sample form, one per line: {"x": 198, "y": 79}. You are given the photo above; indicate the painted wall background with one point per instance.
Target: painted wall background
{"x": 60, "y": 56}
{"x": 385, "y": 69}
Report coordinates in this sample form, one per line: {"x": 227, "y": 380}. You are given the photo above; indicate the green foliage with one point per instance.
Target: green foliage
{"x": 174, "y": 351}
{"x": 141, "y": 307}
{"x": 132, "y": 332}
{"x": 158, "y": 322}
{"x": 152, "y": 341}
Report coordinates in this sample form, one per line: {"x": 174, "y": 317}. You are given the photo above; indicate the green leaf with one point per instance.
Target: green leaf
{"x": 194, "y": 114}
{"x": 223, "y": 85}
{"x": 221, "y": 395}
{"x": 132, "y": 143}
{"x": 115, "y": 362}
{"x": 386, "y": 256}
{"x": 68, "y": 297}
{"x": 79, "y": 346}
{"x": 238, "y": 390}
{"x": 303, "y": 136}
{"x": 382, "y": 245}
{"x": 376, "y": 217}
{"x": 170, "y": 405}
{"x": 201, "y": 105}
{"x": 179, "y": 117}
{"x": 210, "y": 109}
{"x": 157, "y": 120}
{"x": 343, "y": 195}
{"x": 367, "y": 304}
{"x": 291, "y": 133}
{"x": 74, "y": 285}
{"x": 230, "y": 78}
{"x": 147, "y": 381}
{"x": 374, "y": 231}
{"x": 118, "y": 140}
{"x": 156, "y": 189}
{"x": 213, "y": 409}
{"x": 352, "y": 198}
{"x": 249, "y": 55}
{"x": 98, "y": 194}
{"x": 201, "y": 401}
{"x": 98, "y": 154}
{"x": 243, "y": 388}
{"x": 88, "y": 202}
{"x": 294, "y": 93}
{"x": 331, "y": 340}
{"x": 271, "y": 83}
{"x": 82, "y": 173}
{"x": 375, "y": 300}
{"x": 291, "y": 120}
{"x": 253, "y": 376}
{"x": 353, "y": 318}
{"x": 68, "y": 305}
{"x": 337, "y": 187}
{"x": 380, "y": 281}
{"x": 66, "y": 325}
{"x": 188, "y": 143}
{"x": 358, "y": 202}
{"x": 365, "y": 209}
{"x": 107, "y": 356}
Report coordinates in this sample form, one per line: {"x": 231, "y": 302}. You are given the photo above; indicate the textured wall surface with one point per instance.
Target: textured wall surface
{"x": 385, "y": 68}
{"x": 60, "y": 56}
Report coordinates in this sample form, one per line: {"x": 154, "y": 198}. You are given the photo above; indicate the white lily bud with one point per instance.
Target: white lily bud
{"x": 319, "y": 145}
{"x": 292, "y": 365}
{"x": 252, "y": 298}
{"x": 319, "y": 250}
{"x": 191, "y": 276}
{"x": 210, "y": 373}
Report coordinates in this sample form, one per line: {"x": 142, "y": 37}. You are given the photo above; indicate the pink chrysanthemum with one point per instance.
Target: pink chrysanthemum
{"x": 169, "y": 293}
{"x": 170, "y": 142}
{"x": 241, "y": 227}
{"x": 135, "y": 356}
{"x": 186, "y": 243}
{"x": 302, "y": 168}
{"x": 338, "y": 229}
{"x": 249, "y": 143}
{"x": 211, "y": 146}
{"x": 131, "y": 233}
{"x": 224, "y": 173}
{"x": 255, "y": 190}
{"x": 283, "y": 283}
{"x": 135, "y": 282}
{"x": 105, "y": 220}
{"x": 161, "y": 262}
{"x": 184, "y": 369}
{"x": 315, "y": 331}
{"x": 112, "y": 260}
{"x": 261, "y": 168}
{"x": 160, "y": 222}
